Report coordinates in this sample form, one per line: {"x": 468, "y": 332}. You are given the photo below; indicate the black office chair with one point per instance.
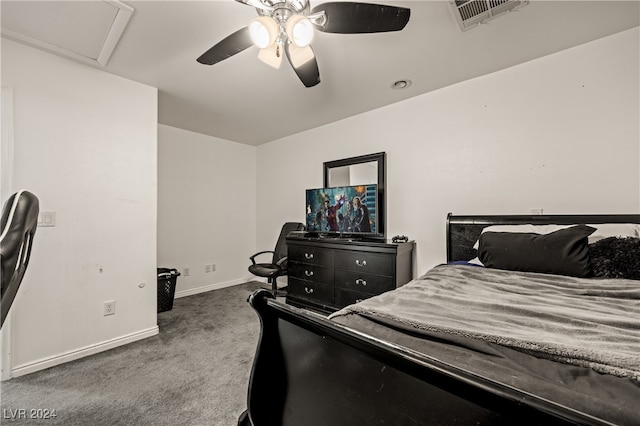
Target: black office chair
{"x": 278, "y": 265}
{"x": 18, "y": 223}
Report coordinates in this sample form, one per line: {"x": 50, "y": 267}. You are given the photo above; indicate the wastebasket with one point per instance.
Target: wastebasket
{"x": 167, "y": 278}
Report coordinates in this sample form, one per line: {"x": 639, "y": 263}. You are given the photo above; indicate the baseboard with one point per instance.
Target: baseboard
{"x": 32, "y": 367}
{"x": 216, "y": 286}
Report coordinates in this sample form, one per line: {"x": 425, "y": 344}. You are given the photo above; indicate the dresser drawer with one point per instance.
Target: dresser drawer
{"x": 312, "y": 273}
{"x": 346, "y": 297}
{"x": 363, "y": 283}
{"x": 310, "y": 255}
{"x": 326, "y": 274}
{"x": 368, "y": 263}
{"x": 309, "y": 290}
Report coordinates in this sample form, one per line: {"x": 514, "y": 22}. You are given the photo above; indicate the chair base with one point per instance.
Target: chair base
{"x": 281, "y": 292}
{"x": 277, "y": 292}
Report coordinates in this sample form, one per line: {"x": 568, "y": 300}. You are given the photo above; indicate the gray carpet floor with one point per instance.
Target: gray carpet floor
{"x": 194, "y": 372}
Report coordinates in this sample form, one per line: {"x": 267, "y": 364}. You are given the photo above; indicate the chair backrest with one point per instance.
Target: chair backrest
{"x": 18, "y": 224}
{"x": 281, "y": 246}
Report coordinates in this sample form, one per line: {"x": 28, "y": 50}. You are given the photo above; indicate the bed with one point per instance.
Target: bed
{"x": 498, "y": 344}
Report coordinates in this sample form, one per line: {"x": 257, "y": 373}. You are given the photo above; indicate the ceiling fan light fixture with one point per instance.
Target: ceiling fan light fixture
{"x": 300, "y": 30}
{"x": 271, "y": 55}
{"x": 263, "y": 31}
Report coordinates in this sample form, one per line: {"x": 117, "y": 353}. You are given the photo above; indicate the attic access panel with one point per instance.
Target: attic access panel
{"x": 469, "y": 13}
{"x": 87, "y": 31}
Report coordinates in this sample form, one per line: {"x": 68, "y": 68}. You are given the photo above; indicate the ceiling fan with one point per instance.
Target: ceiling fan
{"x": 286, "y": 27}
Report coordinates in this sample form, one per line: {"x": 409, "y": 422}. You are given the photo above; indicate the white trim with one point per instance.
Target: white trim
{"x": 115, "y": 33}
{"x": 6, "y": 127}
{"x": 5, "y": 348}
{"x": 216, "y": 286}
{"x": 6, "y": 188}
{"x": 32, "y": 367}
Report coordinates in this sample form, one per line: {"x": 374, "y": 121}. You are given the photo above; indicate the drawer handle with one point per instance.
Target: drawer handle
{"x": 308, "y": 273}
{"x": 308, "y": 256}
{"x": 361, "y": 263}
{"x": 308, "y": 290}
{"x": 361, "y": 281}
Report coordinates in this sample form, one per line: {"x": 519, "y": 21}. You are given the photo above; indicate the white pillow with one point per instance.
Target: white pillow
{"x": 476, "y": 261}
{"x": 603, "y": 230}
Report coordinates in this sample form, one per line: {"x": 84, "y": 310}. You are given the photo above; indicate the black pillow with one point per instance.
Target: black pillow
{"x": 563, "y": 252}
{"x": 616, "y": 257}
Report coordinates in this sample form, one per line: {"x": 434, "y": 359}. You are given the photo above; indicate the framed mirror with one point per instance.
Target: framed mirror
{"x": 361, "y": 170}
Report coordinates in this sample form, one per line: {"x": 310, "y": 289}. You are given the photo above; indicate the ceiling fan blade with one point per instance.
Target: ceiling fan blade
{"x": 357, "y": 18}
{"x": 304, "y": 63}
{"x": 257, "y": 4}
{"x": 232, "y": 44}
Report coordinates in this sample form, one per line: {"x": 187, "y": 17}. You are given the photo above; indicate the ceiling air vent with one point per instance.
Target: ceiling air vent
{"x": 469, "y": 13}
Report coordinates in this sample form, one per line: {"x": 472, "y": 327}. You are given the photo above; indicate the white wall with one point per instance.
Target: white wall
{"x": 559, "y": 133}
{"x": 206, "y": 208}
{"x": 85, "y": 144}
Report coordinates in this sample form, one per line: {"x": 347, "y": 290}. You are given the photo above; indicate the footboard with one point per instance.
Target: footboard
{"x": 312, "y": 371}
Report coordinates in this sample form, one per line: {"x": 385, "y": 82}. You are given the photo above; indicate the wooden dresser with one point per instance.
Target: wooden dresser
{"x": 327, "y": 274}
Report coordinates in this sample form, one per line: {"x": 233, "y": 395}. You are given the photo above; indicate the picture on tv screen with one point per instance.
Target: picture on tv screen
{"x": 344, "y": 209}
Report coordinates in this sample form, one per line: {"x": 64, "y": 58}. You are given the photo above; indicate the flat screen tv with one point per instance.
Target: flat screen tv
{"x": 344, "y": 211}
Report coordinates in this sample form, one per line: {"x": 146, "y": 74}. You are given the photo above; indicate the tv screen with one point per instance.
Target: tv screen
{"x": 349, "y": 210}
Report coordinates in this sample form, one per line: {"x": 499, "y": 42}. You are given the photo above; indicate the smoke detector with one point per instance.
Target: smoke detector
{"x": 470, "y": 13}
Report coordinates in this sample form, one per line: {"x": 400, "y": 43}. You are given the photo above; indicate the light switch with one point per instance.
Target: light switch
{"x": 47, "y": 219}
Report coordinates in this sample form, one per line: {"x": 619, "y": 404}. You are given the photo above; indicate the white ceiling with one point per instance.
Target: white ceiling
{"x": 243, "y": 100}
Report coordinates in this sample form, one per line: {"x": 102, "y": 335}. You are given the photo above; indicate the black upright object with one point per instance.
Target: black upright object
{"x": 167, "y": 280}
{"x": 18, "y": 224}
{"x": 278, "y": 265}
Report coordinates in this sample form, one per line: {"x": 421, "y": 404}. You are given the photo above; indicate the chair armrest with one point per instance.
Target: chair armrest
{"x": 252, "y": 258}
{"x": 282, "y": 261}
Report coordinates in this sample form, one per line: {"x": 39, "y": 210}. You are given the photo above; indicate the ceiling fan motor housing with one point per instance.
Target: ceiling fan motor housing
{"x": 295, "y": 6}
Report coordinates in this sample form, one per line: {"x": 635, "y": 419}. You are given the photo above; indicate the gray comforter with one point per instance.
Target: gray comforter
{"x": 587, "y": 322}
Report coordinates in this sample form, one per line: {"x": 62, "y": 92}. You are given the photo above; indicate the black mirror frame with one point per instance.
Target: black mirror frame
{"x": 380, "y": 159}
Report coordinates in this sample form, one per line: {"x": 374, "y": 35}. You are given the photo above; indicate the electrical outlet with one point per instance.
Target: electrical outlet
{"x": 186, "y": 272}
{"x": 213, "y": 267}
{"x": 109, "y": 308}
{"x": 207, "y": 269}
{"x": 537, "y": 211}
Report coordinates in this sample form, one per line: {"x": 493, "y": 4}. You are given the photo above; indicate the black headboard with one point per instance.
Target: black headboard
{"x": 464, "y": 231}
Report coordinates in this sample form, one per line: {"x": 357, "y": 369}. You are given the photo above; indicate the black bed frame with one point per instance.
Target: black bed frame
{"x": 310, "y": 371}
